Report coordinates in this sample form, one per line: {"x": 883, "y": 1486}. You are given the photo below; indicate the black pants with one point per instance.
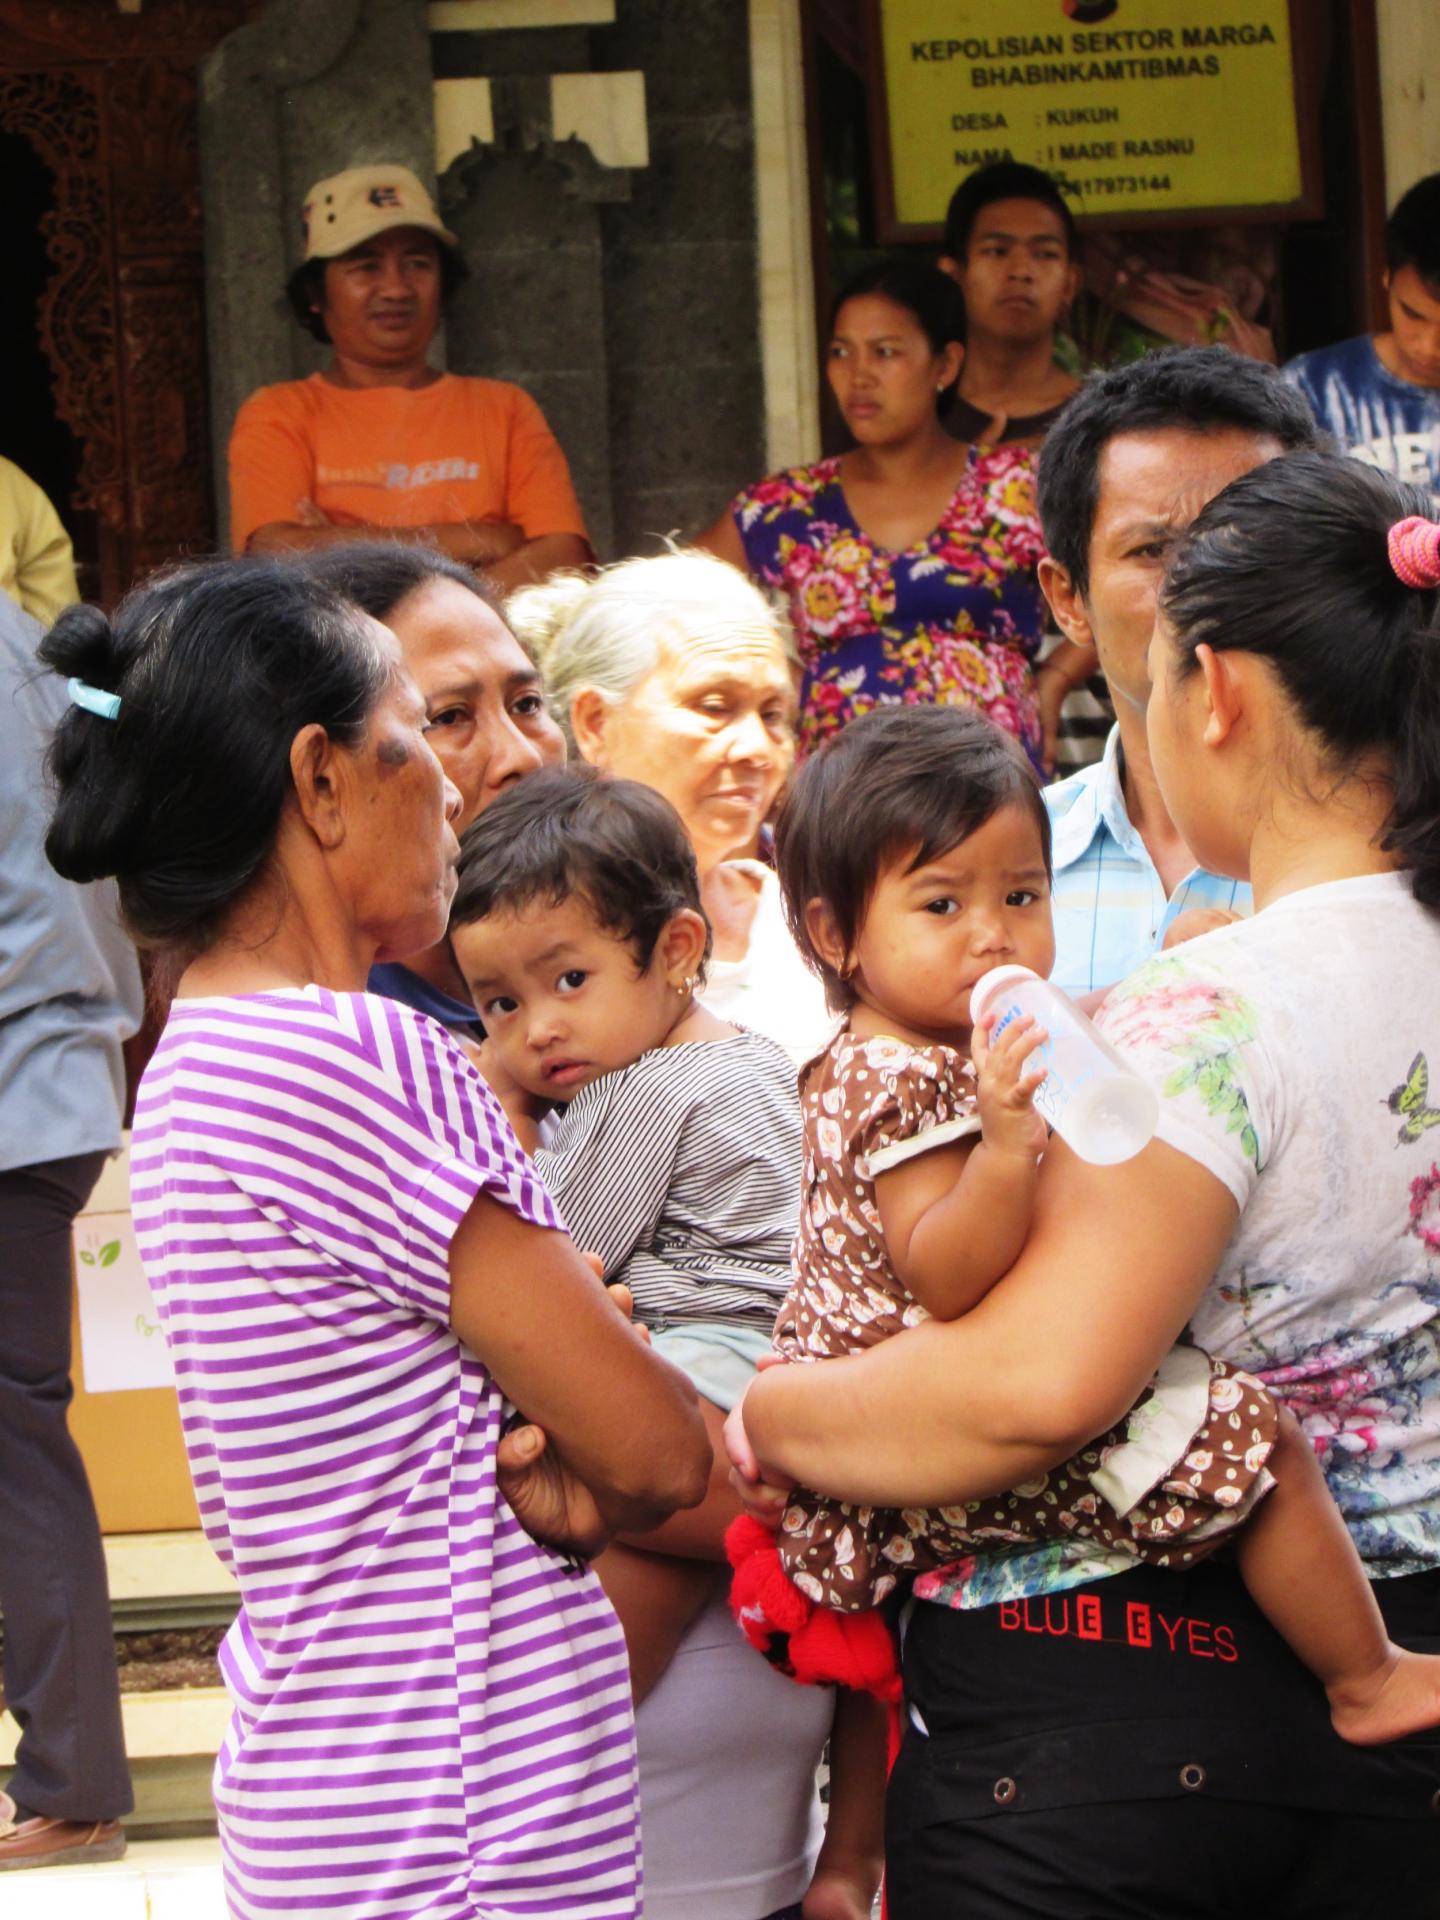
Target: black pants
{"x": 60, "y": 1680}
{"x": 1147, "y": 1748}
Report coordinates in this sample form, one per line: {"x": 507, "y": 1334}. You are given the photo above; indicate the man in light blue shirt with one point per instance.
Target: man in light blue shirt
{"x": 1128, "y": 465}
{"x": 1110, "y": 906}
{"x": 69, "y": 997}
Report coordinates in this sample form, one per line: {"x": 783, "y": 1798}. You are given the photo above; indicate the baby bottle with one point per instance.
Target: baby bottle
{"x": 1094, "y": 1101}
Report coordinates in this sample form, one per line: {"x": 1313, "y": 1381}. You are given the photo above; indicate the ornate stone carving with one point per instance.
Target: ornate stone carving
{"x": 108, "y": 102}
{"x": 35, "y": 31}
{"x": 59, "y": 114}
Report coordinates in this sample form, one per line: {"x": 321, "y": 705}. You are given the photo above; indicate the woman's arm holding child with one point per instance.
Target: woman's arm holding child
{"x": 956, "y": 1218}
{"x": 948, "y": 1412}
{"x": 628, "y": 1425}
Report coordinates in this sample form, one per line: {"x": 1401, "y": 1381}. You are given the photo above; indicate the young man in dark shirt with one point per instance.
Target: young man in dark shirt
{"x": 1012, "y": 249}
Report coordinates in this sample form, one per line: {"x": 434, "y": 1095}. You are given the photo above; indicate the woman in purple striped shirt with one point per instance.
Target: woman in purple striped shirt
{"x": 352, "y": 1258}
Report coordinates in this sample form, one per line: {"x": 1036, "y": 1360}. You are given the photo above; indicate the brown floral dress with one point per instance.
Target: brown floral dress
{"x": 1186, "y": 1466}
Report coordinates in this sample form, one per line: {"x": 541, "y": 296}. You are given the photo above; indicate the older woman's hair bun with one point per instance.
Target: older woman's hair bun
{"x": 218, "y": 667}
{"x": 539, "y": 615}
{"x": 82, "y": 645}
{"x": 87, "y": 843}
{"x": 604, "y": 631}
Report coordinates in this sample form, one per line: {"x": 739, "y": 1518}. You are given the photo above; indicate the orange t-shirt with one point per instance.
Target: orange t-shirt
{"x": 459, "y": 449}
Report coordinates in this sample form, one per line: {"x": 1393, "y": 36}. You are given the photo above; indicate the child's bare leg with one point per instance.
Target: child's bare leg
{"x": 656, "y": 1596}
{"x": 847, "y": 1873}
{"x": 1303, "y": 1572}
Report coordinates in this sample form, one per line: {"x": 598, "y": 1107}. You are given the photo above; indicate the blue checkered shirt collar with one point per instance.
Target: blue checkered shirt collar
{"x": 1108, "y": 905}
{"x": 1098, "y": 801}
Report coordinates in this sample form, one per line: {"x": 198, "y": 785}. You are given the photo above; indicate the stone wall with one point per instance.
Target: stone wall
{"x": 681, "y": 295}
{"x": 627, "y": 303}
{"x": 308, "y": 88}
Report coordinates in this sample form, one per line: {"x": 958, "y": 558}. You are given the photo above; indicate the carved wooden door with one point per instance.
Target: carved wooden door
{"x": 106, "y": 98}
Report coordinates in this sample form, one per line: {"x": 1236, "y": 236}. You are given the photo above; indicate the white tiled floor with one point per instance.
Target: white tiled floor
{"x": 157, "y": 1880}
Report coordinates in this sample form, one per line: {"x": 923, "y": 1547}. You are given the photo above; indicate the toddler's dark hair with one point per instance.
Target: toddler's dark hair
{"x": 567, "y": 831}
{"x": 899, "y": 777}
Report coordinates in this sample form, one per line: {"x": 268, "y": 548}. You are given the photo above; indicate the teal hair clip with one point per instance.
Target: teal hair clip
{"x": 106, "y": 706}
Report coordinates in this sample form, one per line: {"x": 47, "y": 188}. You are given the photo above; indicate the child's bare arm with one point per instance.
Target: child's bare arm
{"x": 956, "y": 1218}
{"x": 1195, "y": 921}
{"x": 852, "y": 1859}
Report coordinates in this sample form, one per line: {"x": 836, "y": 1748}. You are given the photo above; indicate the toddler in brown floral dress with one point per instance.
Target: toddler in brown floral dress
{"x": 914, "y": 857}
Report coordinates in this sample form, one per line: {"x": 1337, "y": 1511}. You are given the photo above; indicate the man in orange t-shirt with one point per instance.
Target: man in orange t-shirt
{"x": 380, "y": 443}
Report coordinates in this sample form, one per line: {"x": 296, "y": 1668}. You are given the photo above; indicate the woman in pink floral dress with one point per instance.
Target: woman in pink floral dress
{"x": 908, "y": 562}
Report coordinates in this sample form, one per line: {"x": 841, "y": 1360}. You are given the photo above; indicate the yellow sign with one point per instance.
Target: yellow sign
{"x": 1136, "y": 106}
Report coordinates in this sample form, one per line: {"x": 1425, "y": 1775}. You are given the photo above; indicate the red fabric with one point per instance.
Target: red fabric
{"x": 811, "y": 1644}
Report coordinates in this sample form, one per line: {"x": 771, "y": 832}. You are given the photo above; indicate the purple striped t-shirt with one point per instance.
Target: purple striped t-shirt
{"x": 432, "y": 1713}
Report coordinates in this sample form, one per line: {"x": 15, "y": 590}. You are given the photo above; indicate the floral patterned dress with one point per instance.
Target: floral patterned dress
{"x": 1187, "y": 1466}
{"x": 955, "y": 619}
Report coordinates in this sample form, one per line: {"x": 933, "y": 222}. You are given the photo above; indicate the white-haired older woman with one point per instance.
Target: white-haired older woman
{"x": 676, "y": 672}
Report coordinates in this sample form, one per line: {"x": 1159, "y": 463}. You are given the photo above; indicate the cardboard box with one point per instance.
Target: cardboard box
{"x": 128, "y": 1434}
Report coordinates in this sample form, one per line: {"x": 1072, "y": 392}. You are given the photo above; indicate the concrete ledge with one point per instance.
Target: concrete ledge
{"x": 173, "y": 1567}
{"x": 191, "y": 1721}
{"x": 480, "y": 16}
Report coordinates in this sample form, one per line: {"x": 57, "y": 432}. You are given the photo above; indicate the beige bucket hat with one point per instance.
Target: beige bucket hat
{"x": 352, "y": 207}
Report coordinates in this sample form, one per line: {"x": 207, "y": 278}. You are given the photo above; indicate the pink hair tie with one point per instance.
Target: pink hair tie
{"x": 1415, "y": 551}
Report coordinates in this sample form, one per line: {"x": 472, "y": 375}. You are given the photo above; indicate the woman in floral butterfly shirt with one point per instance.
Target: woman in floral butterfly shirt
{"x": 1105, "y": 1744}
{"x": 909, "y": 562}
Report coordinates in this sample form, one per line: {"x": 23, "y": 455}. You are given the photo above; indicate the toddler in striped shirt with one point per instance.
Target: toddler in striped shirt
{"x": 670, "y": 1141}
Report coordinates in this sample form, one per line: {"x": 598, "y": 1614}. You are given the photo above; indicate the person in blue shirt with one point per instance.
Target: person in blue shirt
{"x": 1127, "y": 466}
{"x": 70, "y": 996}
{"x": 1379, "y": 394}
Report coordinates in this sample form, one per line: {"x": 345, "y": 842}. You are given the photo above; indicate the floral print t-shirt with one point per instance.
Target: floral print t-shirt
{"x": 1297, "y": 1057}
{"x": 954, "y": 620}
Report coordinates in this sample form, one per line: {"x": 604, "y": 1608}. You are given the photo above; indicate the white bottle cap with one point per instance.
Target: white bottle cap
{"x": 995, "y": 982}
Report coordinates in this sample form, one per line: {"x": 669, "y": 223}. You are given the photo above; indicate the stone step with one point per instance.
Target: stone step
{"x": 160, "y": 1580}
{"x": 157, "y": 1880}
{"x": 171, "y": 1739}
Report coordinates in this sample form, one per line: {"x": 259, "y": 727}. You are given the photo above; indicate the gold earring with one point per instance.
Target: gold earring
{"x": 687, "y": 985}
